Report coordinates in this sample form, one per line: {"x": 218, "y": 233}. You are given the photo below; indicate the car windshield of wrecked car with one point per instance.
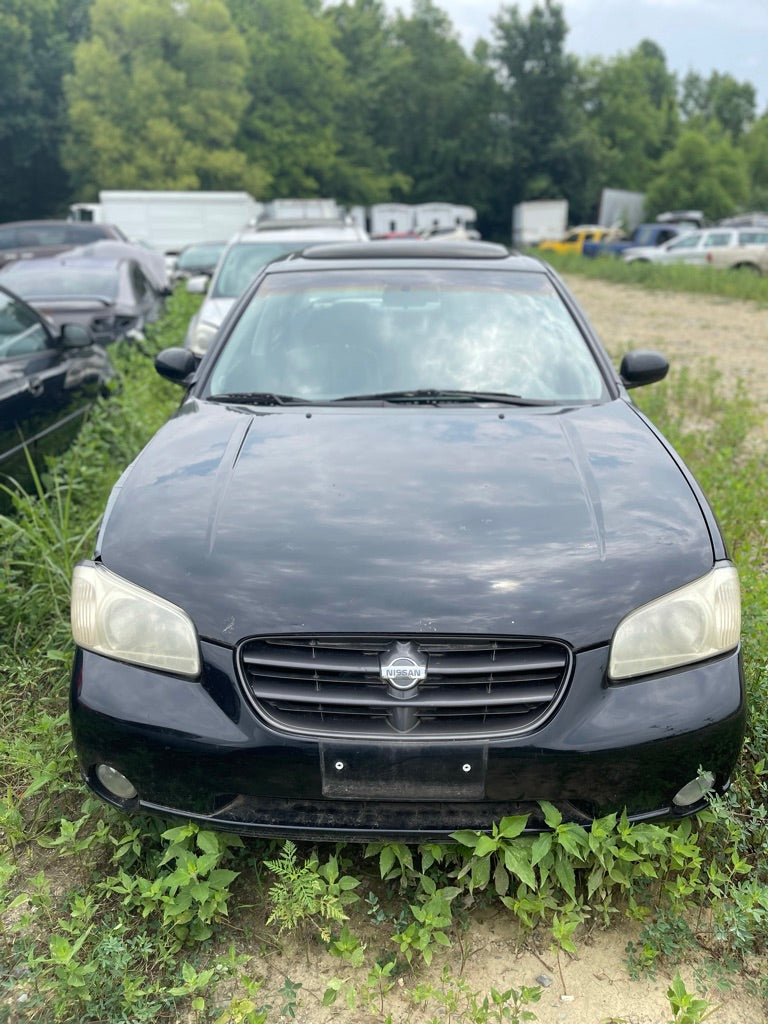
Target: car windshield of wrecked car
{"x": 21, "y": 332}
{"x": 324, "y": 336}
{"x": 67, "y": 281}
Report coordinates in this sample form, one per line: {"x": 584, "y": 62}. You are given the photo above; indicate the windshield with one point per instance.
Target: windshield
{"x": 338, "y": 334}
{"x": 242, "y": 262}
{"x": 33, "y": 280}
{"x": 199, "y": 256}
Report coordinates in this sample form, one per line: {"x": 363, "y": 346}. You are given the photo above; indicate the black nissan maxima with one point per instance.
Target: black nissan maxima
{"x": 407, "y": 559}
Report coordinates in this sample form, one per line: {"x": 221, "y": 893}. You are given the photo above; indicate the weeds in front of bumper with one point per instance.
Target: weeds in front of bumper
{"x": 309, "y": 892}
{"x": 194, "y": 894}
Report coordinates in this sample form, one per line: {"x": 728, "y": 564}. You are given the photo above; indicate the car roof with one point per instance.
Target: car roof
{"x": 307, "y": 233}
{"x": 408, "y": 252}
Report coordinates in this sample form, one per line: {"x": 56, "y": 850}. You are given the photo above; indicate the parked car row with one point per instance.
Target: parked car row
{"x": 676, "y": 237}
{"x": 49, "y": 376}
{"x": 748, "y": 247}
{"x": 66, "y": 292}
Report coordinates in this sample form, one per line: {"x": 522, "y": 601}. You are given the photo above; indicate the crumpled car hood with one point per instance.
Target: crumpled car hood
{"x": 534, "y": 522}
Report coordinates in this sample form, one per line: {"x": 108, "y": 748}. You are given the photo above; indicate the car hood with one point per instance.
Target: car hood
{"x": 538, "y": 522}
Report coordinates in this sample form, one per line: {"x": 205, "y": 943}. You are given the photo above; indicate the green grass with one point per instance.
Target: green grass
{"x": 109, "y": 919}
{"x": 731, "y": 284}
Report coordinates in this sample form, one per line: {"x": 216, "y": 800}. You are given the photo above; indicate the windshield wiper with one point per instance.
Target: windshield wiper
{"x": 434, "y": 395}
{"x": 257, "y": 398}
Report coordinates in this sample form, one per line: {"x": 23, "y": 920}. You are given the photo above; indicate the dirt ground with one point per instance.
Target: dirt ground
{"x": 689, "y": 329}
{"x": 594, "y": 987}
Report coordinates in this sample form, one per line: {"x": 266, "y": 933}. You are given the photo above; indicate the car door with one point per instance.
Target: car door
{"x": 45, "y": 385}
{"x": 146, "y": 300}
{"x": 683, "y": 250}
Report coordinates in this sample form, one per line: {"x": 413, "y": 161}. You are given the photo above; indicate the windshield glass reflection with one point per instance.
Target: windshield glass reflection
{"x": 324, "y": 336}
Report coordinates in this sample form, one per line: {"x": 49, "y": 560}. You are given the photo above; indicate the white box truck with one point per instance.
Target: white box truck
{"x": 538, "y": 219}
{"x": 167, "y": 221}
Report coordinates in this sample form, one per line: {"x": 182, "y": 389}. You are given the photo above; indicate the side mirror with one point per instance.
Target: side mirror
{"x": 643, "y": 367}
{"x": 176, "y": 364}
{"x": 76, "y": 336}
{"x": 198, "y": 285}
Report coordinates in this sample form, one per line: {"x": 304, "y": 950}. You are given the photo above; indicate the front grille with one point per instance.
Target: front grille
{"x": 475, "y": 686}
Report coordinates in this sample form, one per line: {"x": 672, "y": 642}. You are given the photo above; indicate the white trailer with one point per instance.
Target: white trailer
{"x": 167, "y": 221}
{"x": 443, "y": 215}
{"x": 390, "y": 219}
{"x": 538, "y": 219}
{"x": 303, "y": 209}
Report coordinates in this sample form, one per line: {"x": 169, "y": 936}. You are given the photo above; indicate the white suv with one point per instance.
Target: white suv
{"x": 693, "y": 247}
{"x": 242, "y": 260}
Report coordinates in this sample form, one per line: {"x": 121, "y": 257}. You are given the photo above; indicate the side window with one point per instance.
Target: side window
{"x": 716, "y": 239}
{"x": 139, "y": 281}
{"x": 21, "y": 331}
{"x": 9, "y": 238}
{"x": 686, "y": 242}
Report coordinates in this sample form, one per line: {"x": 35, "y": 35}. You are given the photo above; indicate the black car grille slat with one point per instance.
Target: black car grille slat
{"x": 454, "y": 697}
{"x": 474, "y": 687}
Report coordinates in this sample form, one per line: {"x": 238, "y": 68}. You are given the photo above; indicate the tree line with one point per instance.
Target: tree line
{"x": 343, "y": 99}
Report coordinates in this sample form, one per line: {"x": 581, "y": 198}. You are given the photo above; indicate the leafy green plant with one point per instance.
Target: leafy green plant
{"x": 289, "y": 990}
{"x": 347, "y": 947}
{"x": 195, "y": 893}
{"x": 431, "y": 916}
{"x": 458, "y": 1002}
{"x": 686, "y": 1007}
{"x": 309, "y": 891}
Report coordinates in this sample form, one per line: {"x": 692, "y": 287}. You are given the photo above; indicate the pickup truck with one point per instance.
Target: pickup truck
{"x": 576, "y": 238}
{"x": 644, "y": 234}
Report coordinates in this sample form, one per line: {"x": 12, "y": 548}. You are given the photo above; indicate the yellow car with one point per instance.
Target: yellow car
{"x": 576, "y": 237}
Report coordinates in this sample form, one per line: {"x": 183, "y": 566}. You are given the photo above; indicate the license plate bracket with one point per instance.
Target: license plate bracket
{"x": 402, "y": 772}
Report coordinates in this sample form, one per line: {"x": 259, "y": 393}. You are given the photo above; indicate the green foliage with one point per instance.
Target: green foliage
{"x": 719, "y": 99}
{"x": 457, "y": 1001}
{"x": 37, "y": 38}
{"x": 355, "y": 100}
{"x": 194, "y": 894}
{"x": 426, "y": 933}
{"x": 632, "y": 104}
{"x": 308, "y": 891}
{"x": 700, "y": 172}
{"x": 686, "y": 1007}
{"x": 156, "y": 98}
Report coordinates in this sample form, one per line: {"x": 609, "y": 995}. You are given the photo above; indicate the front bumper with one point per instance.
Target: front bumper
{"x": 198, "y": 750}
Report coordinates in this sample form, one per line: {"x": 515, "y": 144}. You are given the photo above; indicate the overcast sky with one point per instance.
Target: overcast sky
{"x": 700, "y": 35}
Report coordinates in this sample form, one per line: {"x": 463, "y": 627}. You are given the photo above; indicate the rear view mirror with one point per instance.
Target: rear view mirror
{"x": 176, "y": 364}
{"x": 76, "y": 336}
{"x": 643, "y": 367}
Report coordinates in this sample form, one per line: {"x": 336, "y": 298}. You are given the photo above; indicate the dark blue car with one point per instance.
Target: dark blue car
{"x": 407, "y": 559}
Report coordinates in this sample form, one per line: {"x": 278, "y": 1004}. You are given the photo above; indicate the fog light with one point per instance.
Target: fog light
{"x": 115, "y": 782}
{"x": 694, "y": 791}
